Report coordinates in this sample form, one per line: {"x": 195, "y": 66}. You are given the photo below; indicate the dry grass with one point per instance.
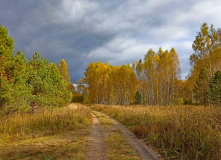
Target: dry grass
{"x": 179, "y": 132}
{"x": 59, "y": 134}
{"x": 66, "y": 145}
{"x": 22, "y": 124}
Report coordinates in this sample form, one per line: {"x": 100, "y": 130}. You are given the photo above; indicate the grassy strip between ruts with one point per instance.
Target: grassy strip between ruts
{"x": 61, "y": 134}
{"x": 117, "y": 146}
{"x": 178, "y": 132}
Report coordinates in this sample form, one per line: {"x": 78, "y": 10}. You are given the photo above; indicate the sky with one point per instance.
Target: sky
{"x": 116, "y": 31}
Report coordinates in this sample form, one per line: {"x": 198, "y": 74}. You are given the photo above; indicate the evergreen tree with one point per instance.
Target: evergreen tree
{"x": 34, "y": 83}
{"x": 215, "y": 88}
{"x": 6, "y": 55}
{"x": 202, "y": 88}
{"x": 38, "y": 74}
{"x": 137, "y": 98}
{"x": 21, "y": 90}
{"x": 62, "y": 96}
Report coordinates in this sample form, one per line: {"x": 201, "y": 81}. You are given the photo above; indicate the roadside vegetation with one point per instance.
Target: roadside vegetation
{"x": 39, "y": 134}
{"x": 178, "y": 132}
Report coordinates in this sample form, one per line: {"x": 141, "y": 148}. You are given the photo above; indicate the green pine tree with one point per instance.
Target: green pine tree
{"x": 215, "y": 88}
{"x": 62, "y": 94}
{"x": 21, "y": 91}
{"x": 6, "y": 55}
{"x": 201, "y": 89}
{"x": 137, "y": 98}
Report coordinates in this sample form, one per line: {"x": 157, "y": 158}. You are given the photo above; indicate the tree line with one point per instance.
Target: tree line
{"x": 152, "y": 82}
{"x": 155, "y": 80}
{"x": 26, "y": 84}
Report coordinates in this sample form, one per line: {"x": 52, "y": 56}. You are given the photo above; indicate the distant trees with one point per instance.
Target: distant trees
{"x": 153, "y": 82}
{"x": 80, "y": 94}
{"x": 25, "y": 84}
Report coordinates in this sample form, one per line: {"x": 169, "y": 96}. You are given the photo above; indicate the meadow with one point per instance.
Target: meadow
{"x": 176, "y": 132}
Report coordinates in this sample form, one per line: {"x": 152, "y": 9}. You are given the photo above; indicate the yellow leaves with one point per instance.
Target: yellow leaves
{"x": 157, "y": 58}
{"x": 106, "y": 67}
{"x": 52, "y": 65}
{"x": 63, "y": 69}
{"x": 91, "y": 64}
{"x": 107, "y": 84}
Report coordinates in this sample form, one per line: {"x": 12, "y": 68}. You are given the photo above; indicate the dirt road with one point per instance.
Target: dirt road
{"x": 96, "y": 145}
{"x": 96, "y": 149}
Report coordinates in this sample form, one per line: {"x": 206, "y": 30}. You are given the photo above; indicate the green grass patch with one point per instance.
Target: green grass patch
{"x": 118, "y": 148}
{"x": 105, "y": 122}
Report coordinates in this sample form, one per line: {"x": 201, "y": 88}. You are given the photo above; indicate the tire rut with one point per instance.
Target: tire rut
{"x": 96, "y": 149}
{"x": 143, "y": 151}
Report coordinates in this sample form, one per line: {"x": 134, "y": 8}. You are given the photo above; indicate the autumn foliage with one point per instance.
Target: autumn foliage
{"x": 158, "y": 77}
{"x": 110, "y": 84}
{"x": 155, "y": 81}
{"x": 203, "y": 82}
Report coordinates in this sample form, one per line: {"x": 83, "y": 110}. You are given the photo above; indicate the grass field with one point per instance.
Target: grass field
{"x": 59, "y": 134}
{"x": 178, "y": 132}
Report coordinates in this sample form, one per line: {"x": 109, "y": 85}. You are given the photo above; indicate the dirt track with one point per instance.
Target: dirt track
{"x": 96, "y": 144}
{"x": 142, "y": 150}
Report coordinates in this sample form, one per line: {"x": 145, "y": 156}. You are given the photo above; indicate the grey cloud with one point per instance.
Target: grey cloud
{"x": 119, "y": 32}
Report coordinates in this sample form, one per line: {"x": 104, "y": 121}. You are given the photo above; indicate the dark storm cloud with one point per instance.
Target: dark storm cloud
{"x": 119, "y": 32}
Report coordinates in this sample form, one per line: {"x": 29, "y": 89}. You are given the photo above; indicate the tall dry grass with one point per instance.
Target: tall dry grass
{"x": 178, "y": 132}
{"x": 48, "y": 122}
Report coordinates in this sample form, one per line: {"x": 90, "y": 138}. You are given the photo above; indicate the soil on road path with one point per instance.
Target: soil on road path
{"x": 96, "y": 149}
{"x": 143, "y": 151}
{"x": 96, "y": 144}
